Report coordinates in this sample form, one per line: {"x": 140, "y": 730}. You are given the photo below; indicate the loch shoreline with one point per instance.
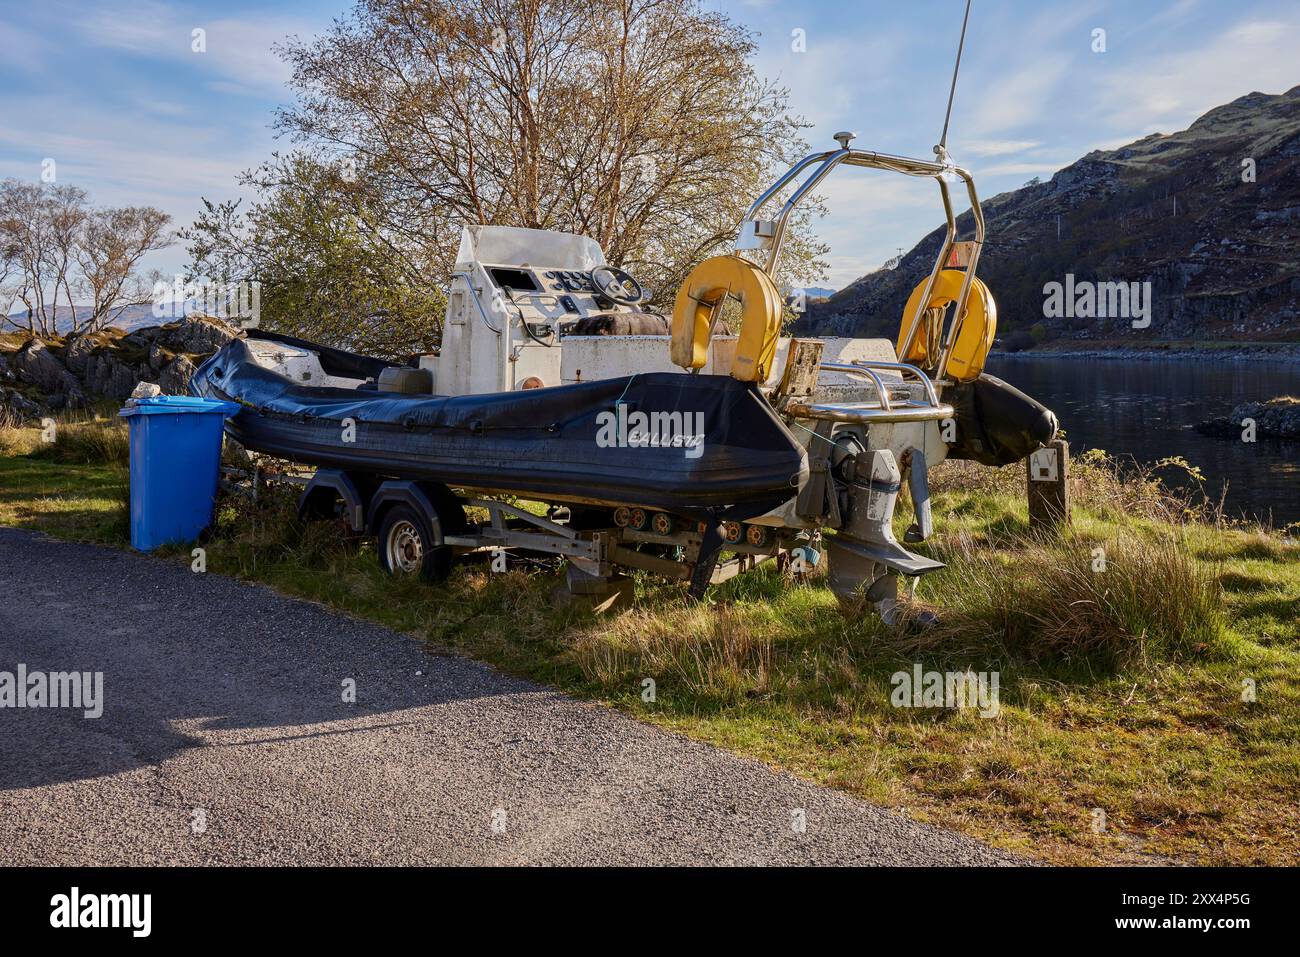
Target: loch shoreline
{"x": 1283, "y": 352}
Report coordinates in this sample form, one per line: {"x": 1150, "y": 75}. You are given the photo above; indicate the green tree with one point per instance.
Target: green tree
{"x": 325, "y": 272}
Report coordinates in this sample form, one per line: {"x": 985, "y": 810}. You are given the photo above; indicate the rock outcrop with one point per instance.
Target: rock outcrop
{"x": 1275, "y": 419}
{"x": 110, "y": 377}
{"x": 37, "y": 376}
{"x": 37, "y": 365}
{"x": 174, "y": 378}
{"x": 16, "y": 408}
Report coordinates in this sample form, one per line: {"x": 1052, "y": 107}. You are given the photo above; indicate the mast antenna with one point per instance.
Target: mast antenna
{"x": 942, "y": 149}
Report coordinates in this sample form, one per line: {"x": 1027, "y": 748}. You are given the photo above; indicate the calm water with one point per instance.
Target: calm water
{"x": 1146, "y": 409}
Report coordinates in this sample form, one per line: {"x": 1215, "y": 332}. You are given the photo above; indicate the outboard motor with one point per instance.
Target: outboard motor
{"x": 865, "y": 559}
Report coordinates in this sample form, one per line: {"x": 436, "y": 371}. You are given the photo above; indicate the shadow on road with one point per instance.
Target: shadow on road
{"x": 187, "y": 659}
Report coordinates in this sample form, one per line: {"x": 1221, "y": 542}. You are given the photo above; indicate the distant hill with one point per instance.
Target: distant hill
{"x": 1223, "y": 255}
{"x": 131, "y": 319}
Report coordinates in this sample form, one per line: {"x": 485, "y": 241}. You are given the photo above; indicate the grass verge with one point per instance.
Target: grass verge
{"x": 1125, "y": 731}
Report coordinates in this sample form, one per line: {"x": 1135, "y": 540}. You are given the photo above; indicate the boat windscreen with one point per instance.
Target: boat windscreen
{"x": 516, "y": 246}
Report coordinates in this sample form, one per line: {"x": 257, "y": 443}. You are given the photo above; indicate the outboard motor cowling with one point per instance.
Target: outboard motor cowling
{"x": 865, "y": 559}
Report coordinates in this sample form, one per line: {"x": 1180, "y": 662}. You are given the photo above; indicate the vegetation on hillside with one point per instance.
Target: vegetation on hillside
{"x": 1205, "y": 215}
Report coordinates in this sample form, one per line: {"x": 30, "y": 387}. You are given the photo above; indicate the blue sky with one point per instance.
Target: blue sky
{"x": 113, "y": 93}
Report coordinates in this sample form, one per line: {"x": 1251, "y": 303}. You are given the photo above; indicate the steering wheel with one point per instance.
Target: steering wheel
{"x": 619, "y": 287}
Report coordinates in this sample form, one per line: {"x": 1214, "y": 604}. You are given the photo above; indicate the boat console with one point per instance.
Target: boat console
{"x": 515, "y": 294}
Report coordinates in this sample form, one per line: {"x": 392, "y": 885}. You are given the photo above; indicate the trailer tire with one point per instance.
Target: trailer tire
{"x": 407, "y": 545}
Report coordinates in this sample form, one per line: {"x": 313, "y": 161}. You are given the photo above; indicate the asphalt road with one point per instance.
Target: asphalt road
{"x": 224, "y": 739}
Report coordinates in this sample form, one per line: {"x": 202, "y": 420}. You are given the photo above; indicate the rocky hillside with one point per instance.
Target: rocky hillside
{"x": 1222, "y": 253}
{"x": 39, "y": 376}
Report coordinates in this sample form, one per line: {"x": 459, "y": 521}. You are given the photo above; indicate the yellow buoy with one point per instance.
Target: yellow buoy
{"x": 975, "y": 337}
{"x": 760, "y": 325}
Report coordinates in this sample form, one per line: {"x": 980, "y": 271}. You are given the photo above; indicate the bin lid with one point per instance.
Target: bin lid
{"x": 178, "y": 404}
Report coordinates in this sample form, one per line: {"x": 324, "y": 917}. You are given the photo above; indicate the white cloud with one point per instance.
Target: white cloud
{"x": 1017, "y": 99}
{"x": 1057, "y": 21}
{"x": 1175, "y": 12}
{"x": 117, "y": 97}
{"x": 827, "y": 81}
{"x": 141, "y": 27}
{"x": 237, "y": 49}
{"x": 132, "y": 158}
{"x": 1020, "y": 169}
{"x": 871, "y": 214}
{"x": 153, "y": 168}
{"x": 993, "y": 147}
{"x": 24, "y": 49}
{"x": 1168, "y": 91}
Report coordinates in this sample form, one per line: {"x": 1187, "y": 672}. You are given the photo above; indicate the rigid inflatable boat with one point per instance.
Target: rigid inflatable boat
{"x": 683, "y": 442}
{"x": 691, "y": 444}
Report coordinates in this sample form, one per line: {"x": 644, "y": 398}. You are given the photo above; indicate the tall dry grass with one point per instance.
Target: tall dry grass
{"x": 710, "y": 652}
{"x": 1126, "y": 597}
{"x": 92, "y": 442}
{"x": 18, "y": 440}
{"x": 1107, "y": 485}
{"x": 1062, "y": 598}
{"x": 79, "y": 438}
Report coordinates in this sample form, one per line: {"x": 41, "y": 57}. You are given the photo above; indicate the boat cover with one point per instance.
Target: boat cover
{"x": 724, "y": 452}
{"x": 997, "y": 424}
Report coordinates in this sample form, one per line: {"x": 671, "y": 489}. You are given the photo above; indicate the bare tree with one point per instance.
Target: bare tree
{"x": 54, "y": 246}
{"x": 25, "y": 229}
{"x": 638, "y": 122}
{"x": 113, "y": 242}
{"x": 65, "y": 218}
{"x": 10, "y": 269}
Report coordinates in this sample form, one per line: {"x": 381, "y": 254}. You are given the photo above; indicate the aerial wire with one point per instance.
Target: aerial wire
{"x": 942, "y": 149}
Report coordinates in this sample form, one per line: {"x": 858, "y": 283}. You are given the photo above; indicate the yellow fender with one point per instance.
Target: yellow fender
{"x": 977, "y": 330}
{"x": 760, "y": 324}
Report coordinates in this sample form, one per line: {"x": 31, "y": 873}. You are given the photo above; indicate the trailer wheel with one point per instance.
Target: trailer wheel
{"x": 407, "y": 546}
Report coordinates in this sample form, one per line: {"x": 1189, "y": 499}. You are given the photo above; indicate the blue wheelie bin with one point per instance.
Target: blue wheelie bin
{"x": 175, "y": 463}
